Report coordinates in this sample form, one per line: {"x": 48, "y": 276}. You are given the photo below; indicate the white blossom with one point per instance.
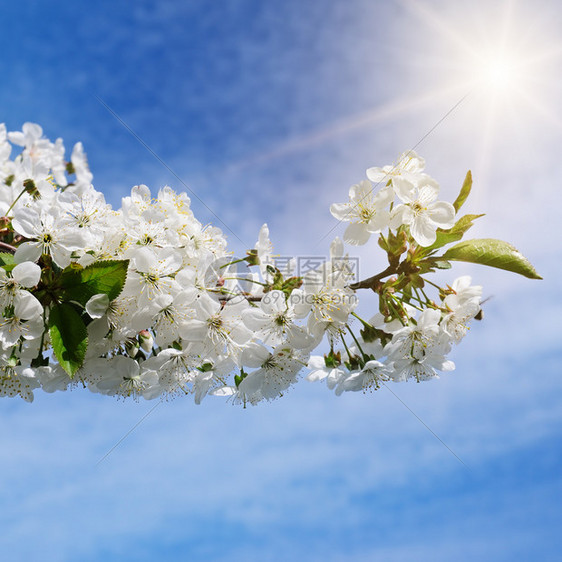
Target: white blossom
{"x": 462, "y": 304}
{"x": 367, "y": 211}
{"x": 409, "y": 166}
{"x": 420, "y": 211}
{"x": 50, "y": 234}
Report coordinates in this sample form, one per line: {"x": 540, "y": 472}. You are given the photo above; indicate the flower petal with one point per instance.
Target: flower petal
{"x": 342, "y": 211}
{"x": 423, "y": 231}
{"x": 428, "y": 190}
{"x": 404, "y": 189}
{"x": 60, "y": 255}
{"x": 356, "y": 234}
{"x": 377, "y": 175}
{"x": 402, "y": 214}
{"x": 379, "y": 222}
{"x": 384, "y": 197}
{"x": 361, "y": 192}
{"x": 27, "y": 274}
{"x": 28, "y": 251}
{"x": 27, "y": 306}
{"x": 26, "y": 222}
{"x": 442, "y": 214}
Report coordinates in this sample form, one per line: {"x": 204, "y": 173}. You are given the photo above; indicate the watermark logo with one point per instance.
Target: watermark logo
{"x": 230, "y": 279}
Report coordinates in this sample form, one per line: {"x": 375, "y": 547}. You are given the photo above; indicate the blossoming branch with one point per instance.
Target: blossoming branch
{"x": 145, "y": 301}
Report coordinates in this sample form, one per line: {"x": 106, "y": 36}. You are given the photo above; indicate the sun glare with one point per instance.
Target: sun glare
{"x": 498, "y": 73}
{"x": 501, "y": 63}
{"x": 502, "y": 58}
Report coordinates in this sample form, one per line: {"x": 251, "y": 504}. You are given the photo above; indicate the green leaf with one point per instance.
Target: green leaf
{"x": 290, "y": 284}
{"x": 102, "y": 277}
{"x": 370, "y": 333}
{"x": 6, "y": 259}
{"x": 69, "y": 337}
{"x": 494, "y": 253}
{"x": 252, "y": 257}
{"x": 465, "y": 191}
{"x": 441, "y": 264}
{"x": 456, "y": 232}
{"x": 239, "y": 378}
{"x": 332, "y": 360}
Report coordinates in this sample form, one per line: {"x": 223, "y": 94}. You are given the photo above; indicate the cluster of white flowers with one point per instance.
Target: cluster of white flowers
{"x": 146, "y": 301}
{"x": 185, "y": 319}
{"x": 416, "y": 344}
{"x": 371, "y": 212}
{"x": 415, "y": 335}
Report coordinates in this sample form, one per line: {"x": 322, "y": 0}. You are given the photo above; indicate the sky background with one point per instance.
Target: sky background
{"x": 268, "y": 112}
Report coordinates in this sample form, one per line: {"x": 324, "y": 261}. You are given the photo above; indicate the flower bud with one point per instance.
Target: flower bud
{"x": 252, "y": 257}
{"x": 30, "y": 187}
{"x": 132, "y": 348}
{"x": 146, "y": 340}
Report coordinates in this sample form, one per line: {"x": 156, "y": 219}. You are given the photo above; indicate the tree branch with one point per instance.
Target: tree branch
{"x": 372, "y": 282}
{"x": 7, "y": 248}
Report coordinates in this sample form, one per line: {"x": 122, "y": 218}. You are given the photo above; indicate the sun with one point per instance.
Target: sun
{"x": 499, "y": 73}
{"x": 494, "y": 66}
{"x": 497, "y": 68}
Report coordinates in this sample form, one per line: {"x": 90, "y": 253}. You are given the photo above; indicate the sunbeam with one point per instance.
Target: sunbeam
{"x": 499, "y": 60}
{"x": 390, "y": 110}
{"x": 507, "y": 55}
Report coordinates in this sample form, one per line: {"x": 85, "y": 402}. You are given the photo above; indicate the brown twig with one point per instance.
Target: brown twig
{"x": 373, "y": 282}
{"x": 7, "y": 248}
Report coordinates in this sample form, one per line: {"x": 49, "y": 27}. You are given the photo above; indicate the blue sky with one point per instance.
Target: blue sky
{"x": 268, "y": 112}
